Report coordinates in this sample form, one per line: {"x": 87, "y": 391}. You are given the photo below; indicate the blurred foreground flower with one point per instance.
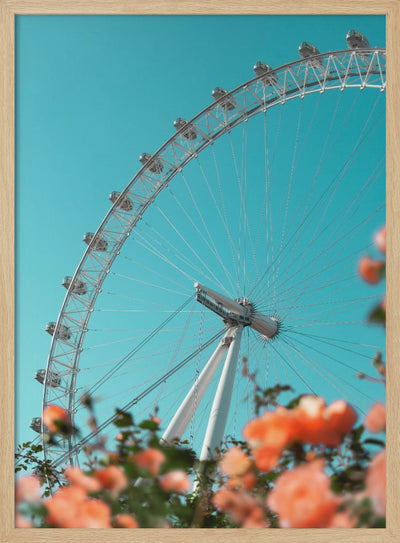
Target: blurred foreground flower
{"x": 151, "y": 460}
{"x": 235, "y": 462}
{"x": 125, "y": 521}
{"x": 76, "y": 477}
{"x": 310, "y": 422}
{"x": 380, "y": 240}
{"x": 27, "y": 489}
{"x": 71, "y": 508}
{"x": 242, "y": 508}
{"x": 175, "y": 481}
{"x": 56, "y": 419}
{"x": 112, "y": 478}
{"x": 372, "y": 271}
{"x": 303, "y": 499}
{"x": 375, "y": 421}
{"x": 376, "y": 482}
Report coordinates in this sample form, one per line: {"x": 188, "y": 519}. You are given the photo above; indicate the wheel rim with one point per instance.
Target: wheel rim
{"x": 341, "y": 70}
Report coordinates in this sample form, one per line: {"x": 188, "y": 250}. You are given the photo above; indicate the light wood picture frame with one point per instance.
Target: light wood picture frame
{"x": 8, "y": 10}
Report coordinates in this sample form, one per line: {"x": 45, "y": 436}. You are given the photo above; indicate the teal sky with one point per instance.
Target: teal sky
{"x": 93, "y": 93}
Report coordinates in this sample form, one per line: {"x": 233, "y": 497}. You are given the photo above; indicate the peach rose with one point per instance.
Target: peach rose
{"x": 320, "y": 424}
{"x": 64, "y": 505}
{"x": 269, "y": 434}
{"x": 240, "y": 506}
{"x": 53, "y": 415}
{"x": 175, "y": 481}
{"x": 302, "y": 497}
{"x": 375, "y": 482}
{"x": 112, "y": 478}
{"x": 150, "y": 459}
{"x": 249, "y": 480}
{"x": 224, "y": 499}
{"x": 27, "y": 489}
{"x": 91, "y": 514}
{"x": 76, "y": 477}
{"x": 256, "y": 519}
{"x": 340, "y": 420}
{"x": 234, "y": 462}
{"x": 375, "y": 421}
{"x": 125, "y": 521}
{"x": 246, "y": 481}
{"x": 343, "y": 520}
{"x": 380, "y": 240}
{"x": 371, "y": 270}
{"x": 71, "y": 508}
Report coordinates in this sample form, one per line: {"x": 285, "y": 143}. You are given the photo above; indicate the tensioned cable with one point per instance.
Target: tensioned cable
{"x": 335, "y": 181}
{"x": 138, "y": 360}
{"x": 220, "y": 213}
{"x": 169, "y": 247}
{"x": 212, "y": 247}
{"x": 342, "y": 214}
{"x": 345, "y": 169}
{"x": 153, "y": 271}
{"x": 316, "y": 338}
{"x": 336, "y": 375}
{"x": 215, "y": 278}
{"x": 309, "y": 193}
{"x": 337, "y": 339}
{"x": 192, "y": 222}
{"x": 243, "y": 210}
{"x": 324, "y": 302}
{"x": 218, "y": 176}
{"x": 153, "y": 285}
{"x": 163, "y": 350}
{"x": 135, "y": 400}
{"x": 310, "y": 279}
{"x": 146, "y": 244}
{"x": 288, "y": 193}
{"x": 179, "y": 342}
{"x": 311, "y": 362}
{"x": 291, "y": 366}
{"x": 127, "y": 357}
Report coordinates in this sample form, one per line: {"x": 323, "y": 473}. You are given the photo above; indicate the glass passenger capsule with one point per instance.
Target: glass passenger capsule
{"x": 53, "y": 380}
{"x": 189, "y": 133}
{"x": 99, "y": 243}
{"x": 307, "y": 50}
{"x": 260, "y": 68}
{"x": 356, "y": 40}
{"x": 154, "y": 165}
{"x": 36, "y": 424}
{"x": 78, "y": 286}
{"x": 125, "y": 203}
{"x": 228, "y": 102}
{"x": 63, "y": 331}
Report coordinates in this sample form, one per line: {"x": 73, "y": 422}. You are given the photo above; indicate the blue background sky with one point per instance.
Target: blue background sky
{"x": 93, "y": 93}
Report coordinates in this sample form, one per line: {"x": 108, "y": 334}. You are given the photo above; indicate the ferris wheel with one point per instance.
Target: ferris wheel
{"x": 230, "y": 258}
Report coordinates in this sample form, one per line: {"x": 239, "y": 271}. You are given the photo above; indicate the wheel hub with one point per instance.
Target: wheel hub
{"x": 238, "y": 311}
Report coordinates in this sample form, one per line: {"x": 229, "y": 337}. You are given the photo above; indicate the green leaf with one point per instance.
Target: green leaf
{"x": 123, "y": 419}
{"x": 372, "y": 441}
{"x": 356, "y": 433}
{"x": 148, "y": 425}
{"x": 377, "y": 315}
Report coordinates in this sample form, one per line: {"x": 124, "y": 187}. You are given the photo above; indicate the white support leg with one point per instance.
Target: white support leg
{"x": 182, "y": 417}
{"x": 222, "y": 400}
